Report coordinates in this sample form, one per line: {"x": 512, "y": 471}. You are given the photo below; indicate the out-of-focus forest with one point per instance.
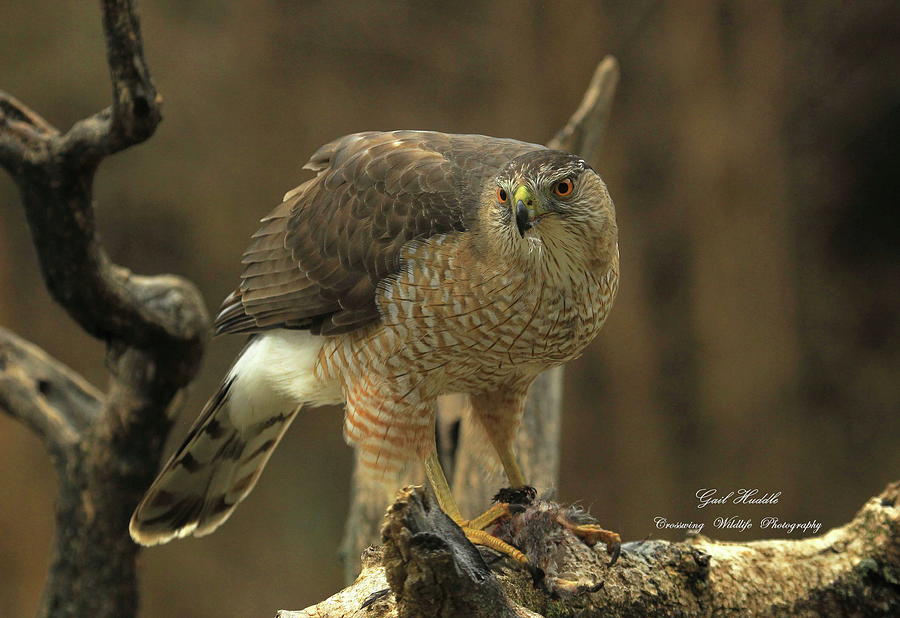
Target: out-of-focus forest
{"x": 754, "y": 158}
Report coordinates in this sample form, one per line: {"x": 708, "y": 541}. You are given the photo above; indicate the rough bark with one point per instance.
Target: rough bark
{"x": 106, "y": 448}
{"x": 537, "y": 443}
{"x": 426, "y": 568}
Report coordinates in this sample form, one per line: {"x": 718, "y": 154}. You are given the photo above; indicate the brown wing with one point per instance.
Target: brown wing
{"x": 317, "y": 259}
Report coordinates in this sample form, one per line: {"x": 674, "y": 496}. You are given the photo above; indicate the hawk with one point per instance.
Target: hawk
{"x": 412, "y": 265}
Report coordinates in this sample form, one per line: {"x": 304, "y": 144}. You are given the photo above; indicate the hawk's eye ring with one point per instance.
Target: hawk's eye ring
{"x": 501, "y": 195}
{"x": 564, "y": 188}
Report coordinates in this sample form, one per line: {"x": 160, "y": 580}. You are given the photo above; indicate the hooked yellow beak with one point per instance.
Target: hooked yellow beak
{"x": 527, "y": 208}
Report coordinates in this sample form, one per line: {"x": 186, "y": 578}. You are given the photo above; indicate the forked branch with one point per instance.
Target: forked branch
{"x": 54, "y": 172}
{"x": 107, "y": 449}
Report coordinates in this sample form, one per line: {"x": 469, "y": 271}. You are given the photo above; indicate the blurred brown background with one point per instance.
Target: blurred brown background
{"x": 754, "y": 156}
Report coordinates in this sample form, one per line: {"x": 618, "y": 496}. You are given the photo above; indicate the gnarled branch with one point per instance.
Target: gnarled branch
{"x": 135, "y": 111}
{"x": 53, "y": 401}
{"x": 107, "y": 449}
{"x": 54, "y": 173}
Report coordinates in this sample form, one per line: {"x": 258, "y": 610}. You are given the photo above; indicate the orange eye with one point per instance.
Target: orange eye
{"x": 564, "y": 188}
{"x": 501, "y": 195}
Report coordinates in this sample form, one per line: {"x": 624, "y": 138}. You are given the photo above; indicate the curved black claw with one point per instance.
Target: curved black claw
{"x": 537, "y": 575}
{"x": 375, "y": 597}
{"x": 516, "y": 495}
{"x": 614, "y": 550}
{"x": 595, "y": 588}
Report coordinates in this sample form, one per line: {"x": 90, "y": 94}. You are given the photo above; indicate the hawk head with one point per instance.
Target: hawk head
{"x": 553, "y": 200}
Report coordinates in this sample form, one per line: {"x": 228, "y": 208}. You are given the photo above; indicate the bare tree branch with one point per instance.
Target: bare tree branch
{"x": 55, "y": 172}
{"x": 107, "y": 450}
{"x": 56, "y": 403}
{"x": 584, "y": 132}
{"x": 24, "y": 135}
{"x": 132, "y": 118}
{"x": 426, "y": 570}
{"x": 135, "y": 112}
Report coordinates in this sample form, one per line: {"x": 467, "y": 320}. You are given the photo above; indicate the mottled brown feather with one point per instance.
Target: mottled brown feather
{"x": 317, "y": 258}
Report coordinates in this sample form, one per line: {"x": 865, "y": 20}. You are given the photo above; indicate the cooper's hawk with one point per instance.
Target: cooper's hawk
{"x": 414, "y": 264}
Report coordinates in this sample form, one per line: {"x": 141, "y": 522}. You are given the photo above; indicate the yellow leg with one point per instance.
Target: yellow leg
{"x": 445, "y": 499}
{"x": 516, "y": 481}
{"x": 435, "y": 474}
{"x": 510, "y": 465}
{"x": 491, "y": 515}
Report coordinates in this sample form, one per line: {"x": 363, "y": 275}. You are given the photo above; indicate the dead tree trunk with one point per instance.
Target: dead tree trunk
{"x": 106, "y": 448}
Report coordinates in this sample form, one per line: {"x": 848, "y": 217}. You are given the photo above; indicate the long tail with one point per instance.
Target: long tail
{"x": 207, "y": 477}
{"x": 230, "y": 443}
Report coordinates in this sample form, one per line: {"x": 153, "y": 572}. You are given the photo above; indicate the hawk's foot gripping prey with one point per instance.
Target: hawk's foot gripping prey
{"x": 512, "y": 502}
{"x": 413, "y": 264}
{"x": 552, "y": 537}
{"x": 473, "y": 528}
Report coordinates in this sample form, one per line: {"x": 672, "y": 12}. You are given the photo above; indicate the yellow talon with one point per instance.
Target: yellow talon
{"x": 474, "y": 528}
{"x": 591, "y": 534}
{"x": 497, "y": 511}
{"x": 480, "y": 537}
